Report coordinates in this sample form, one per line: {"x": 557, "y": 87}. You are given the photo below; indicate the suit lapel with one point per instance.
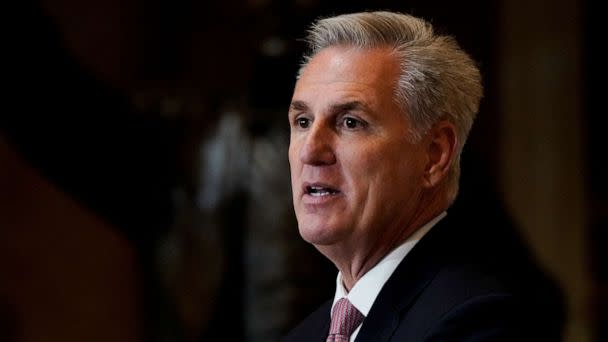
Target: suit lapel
{"x": 321, "y": 329}
{"x": 314, "y": 328}
{"x": 411, "y": 276}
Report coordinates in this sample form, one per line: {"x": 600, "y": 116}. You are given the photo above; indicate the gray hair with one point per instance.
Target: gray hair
{"x": 438, "y": 80}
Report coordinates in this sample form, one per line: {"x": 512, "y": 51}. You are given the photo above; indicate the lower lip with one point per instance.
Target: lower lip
{"x": 320, "y": 200}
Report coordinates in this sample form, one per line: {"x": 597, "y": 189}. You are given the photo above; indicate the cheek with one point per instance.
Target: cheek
{"x": 394, "y": 165}
{"x": 375, "y": 160}
{"x": 292, "y": 155}
{"x": 361, "y": 158}
{"x": 367, "y": 170}
{"x": 295, "y": 167}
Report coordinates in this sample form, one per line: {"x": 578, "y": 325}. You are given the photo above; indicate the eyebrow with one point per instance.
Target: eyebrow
{"x": 335, "y": 108}
{"x": 298, "y": 105}
{"x": 349, "y": 106}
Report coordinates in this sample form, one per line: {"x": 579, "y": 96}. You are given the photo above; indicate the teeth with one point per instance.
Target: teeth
{"x": 319, "y": 191}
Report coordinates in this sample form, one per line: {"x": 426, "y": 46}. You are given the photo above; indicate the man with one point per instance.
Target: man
{"x": 379, "y": 116}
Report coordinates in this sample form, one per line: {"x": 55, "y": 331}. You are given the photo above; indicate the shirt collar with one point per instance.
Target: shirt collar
{"x": 364, "y": 292}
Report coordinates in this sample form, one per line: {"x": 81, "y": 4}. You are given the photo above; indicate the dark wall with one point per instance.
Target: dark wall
{"x": 113, "y": 103}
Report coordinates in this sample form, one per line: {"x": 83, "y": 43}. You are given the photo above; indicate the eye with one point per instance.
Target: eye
{"x": 351, "y": 123}
{"x": 302, "y": 122}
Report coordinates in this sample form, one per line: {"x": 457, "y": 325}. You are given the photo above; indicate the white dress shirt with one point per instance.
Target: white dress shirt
{"x": 364, "y": 292}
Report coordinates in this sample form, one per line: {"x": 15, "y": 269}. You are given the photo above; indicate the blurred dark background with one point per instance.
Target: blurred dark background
{"x": 144, "y": 184}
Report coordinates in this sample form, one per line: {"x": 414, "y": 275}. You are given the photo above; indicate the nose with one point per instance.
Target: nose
{"x": 317, "y": 148}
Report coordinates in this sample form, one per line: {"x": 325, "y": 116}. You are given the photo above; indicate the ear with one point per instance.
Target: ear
{"x": 441, "y": 151}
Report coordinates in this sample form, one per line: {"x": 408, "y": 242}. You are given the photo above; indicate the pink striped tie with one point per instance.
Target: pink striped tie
{"x": 344, "y": 320}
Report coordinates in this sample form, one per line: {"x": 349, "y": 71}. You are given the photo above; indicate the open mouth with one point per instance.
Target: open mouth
{"x": 320, "y": 191}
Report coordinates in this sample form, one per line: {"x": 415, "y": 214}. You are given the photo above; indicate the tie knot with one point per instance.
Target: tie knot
{"x": 344, "y": 320}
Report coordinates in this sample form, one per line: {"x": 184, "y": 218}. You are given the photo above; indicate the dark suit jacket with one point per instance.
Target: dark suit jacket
{"x": 464, "y": 281}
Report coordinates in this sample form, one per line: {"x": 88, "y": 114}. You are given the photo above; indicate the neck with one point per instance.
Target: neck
{"x": 355, "y": 260}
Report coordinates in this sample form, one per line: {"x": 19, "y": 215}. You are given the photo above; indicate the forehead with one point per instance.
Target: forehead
{"x": 353, "y": 72}
{"x": 351, "y": 62}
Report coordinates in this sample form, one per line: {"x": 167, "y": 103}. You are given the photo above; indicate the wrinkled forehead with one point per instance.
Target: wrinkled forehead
{"x": 351, "y": 64}
{"x": 340, "y": 75}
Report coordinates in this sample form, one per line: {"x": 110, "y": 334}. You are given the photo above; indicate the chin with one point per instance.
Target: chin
{"x": 319, "y": 234}
{"x": 313, "y": 235}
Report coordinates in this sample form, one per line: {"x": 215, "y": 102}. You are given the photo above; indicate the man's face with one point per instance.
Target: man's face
{"x": 356, "y": 178}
